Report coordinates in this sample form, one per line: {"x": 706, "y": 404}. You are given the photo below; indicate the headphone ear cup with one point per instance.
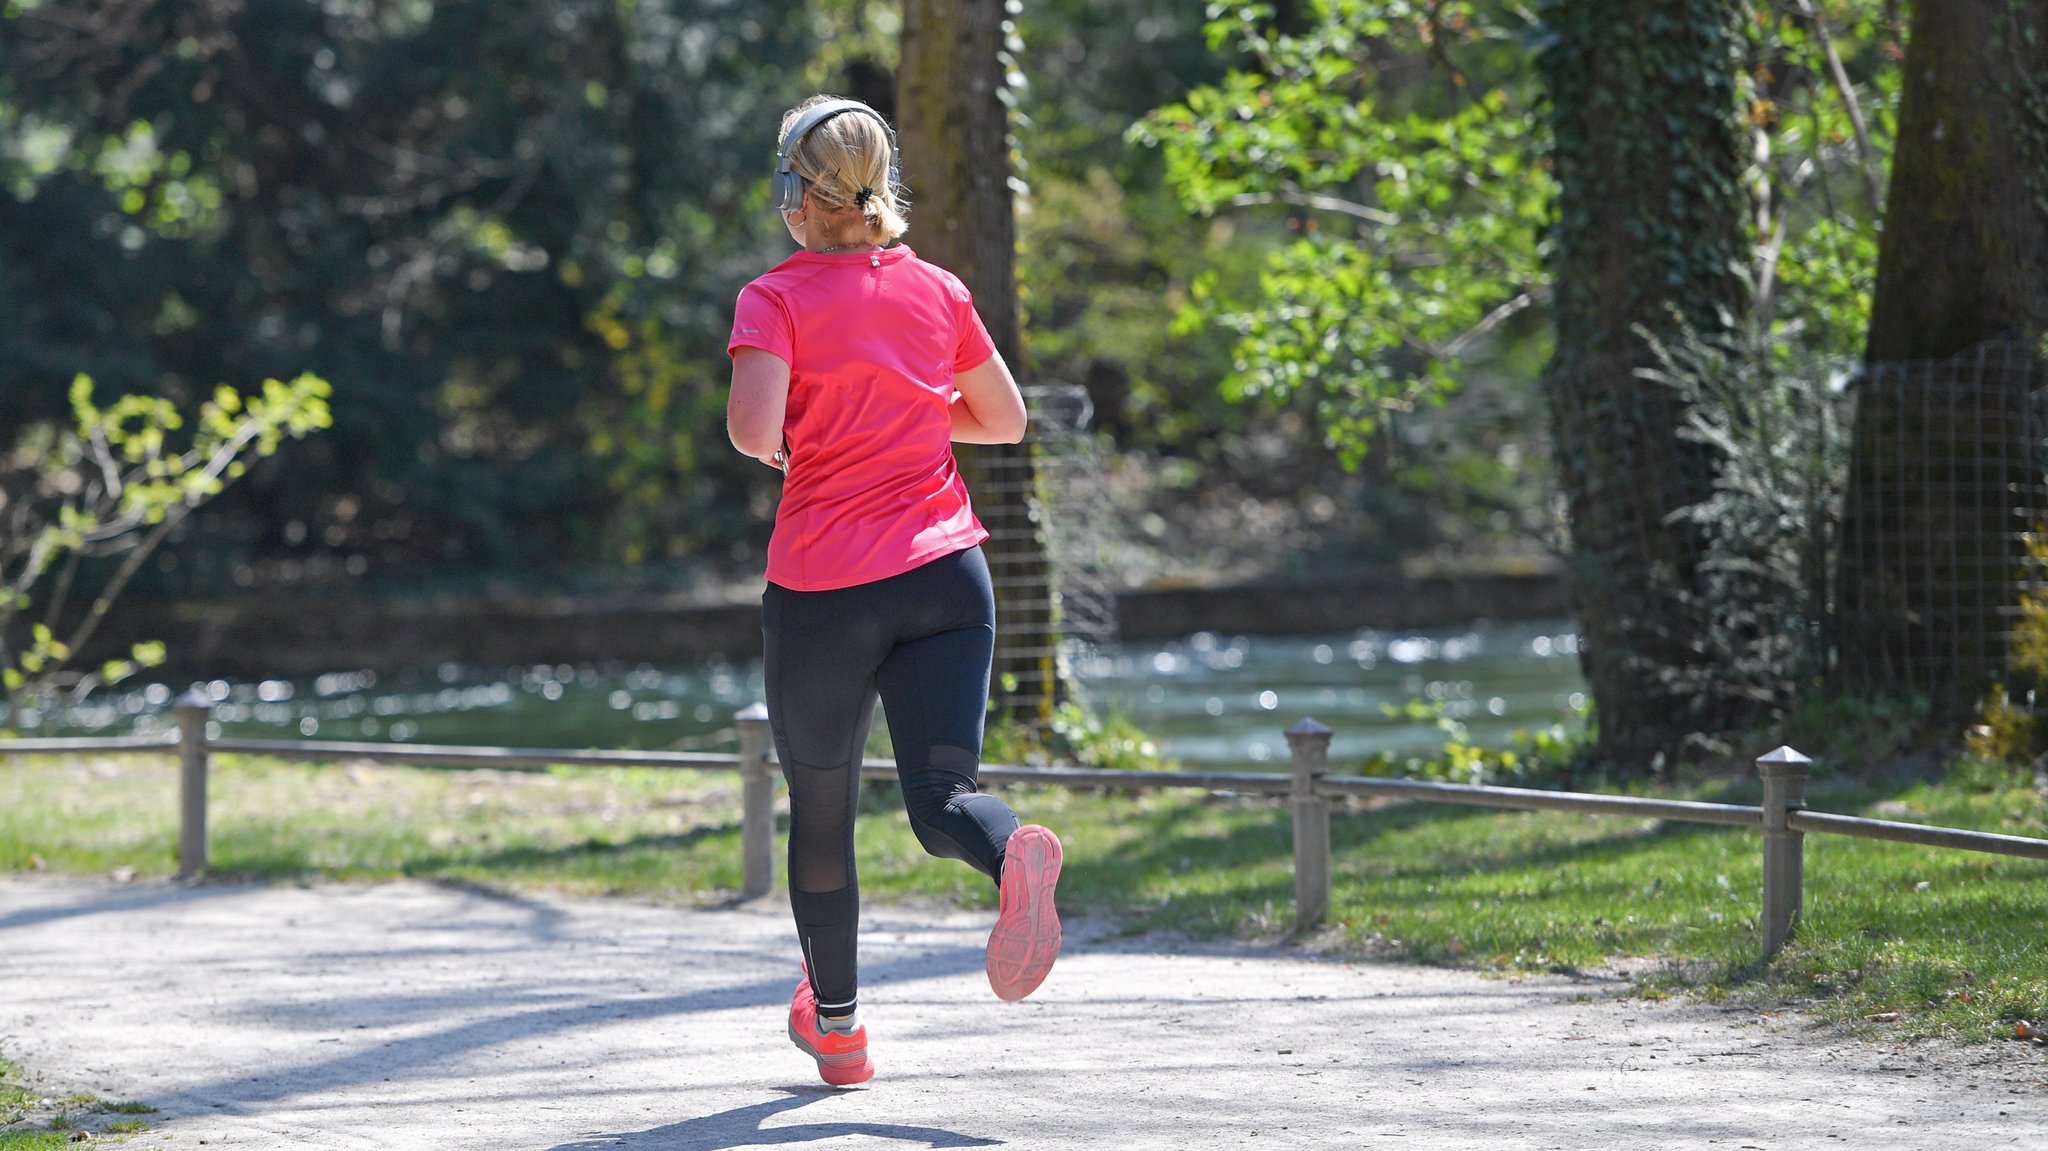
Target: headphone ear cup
{"x": 789, "y": 191}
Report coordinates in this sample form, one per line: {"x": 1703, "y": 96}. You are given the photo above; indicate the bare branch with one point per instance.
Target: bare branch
{"x": 1316, "y": 200}
{"x": 103, "y": 457}
{"x": 1872, "y": 173}
{"x": 1489, "y": 322}
{"x": 1767, "y": 274}
{"x": 60, "y": 595}
{"x": 119, "y": 583}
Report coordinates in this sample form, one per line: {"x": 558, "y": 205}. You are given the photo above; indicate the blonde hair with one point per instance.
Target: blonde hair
{"x": 844, "y": 156}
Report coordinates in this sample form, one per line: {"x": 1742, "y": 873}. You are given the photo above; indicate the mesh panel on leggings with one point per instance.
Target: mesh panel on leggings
{"x": 821, "y": 807}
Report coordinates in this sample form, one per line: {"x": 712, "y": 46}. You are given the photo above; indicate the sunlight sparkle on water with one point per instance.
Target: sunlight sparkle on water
{"x": 1208, "y": 700}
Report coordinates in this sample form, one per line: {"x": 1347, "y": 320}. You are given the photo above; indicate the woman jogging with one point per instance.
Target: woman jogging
{"x": 855, "y": 365}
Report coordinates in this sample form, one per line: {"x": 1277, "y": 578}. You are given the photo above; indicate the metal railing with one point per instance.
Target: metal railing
{"x": 1782, "y": 817}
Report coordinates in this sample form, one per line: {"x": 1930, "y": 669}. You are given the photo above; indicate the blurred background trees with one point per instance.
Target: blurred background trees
{"x": 1354, "y": 285}
{"x": 506, "y": 232}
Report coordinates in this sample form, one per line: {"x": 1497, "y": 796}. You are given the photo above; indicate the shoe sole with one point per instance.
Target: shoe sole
{"x": 838, "y": 1070}
{"x": 1026, "y": 938}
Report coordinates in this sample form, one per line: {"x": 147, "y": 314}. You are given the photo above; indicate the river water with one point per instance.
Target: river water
{"x": 1212, "y": 701}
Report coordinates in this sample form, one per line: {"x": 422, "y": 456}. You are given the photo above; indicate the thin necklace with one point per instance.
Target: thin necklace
{"x": 847, "y": 247}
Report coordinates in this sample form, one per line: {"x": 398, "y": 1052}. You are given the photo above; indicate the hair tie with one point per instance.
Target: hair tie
{"x": 861, "y": 198}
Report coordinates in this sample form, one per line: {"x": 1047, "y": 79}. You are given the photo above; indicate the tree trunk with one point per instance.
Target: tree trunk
{"x": 1944, "y": 473}
{"x": 954, "y": 128}
{"x": 1649, "y": 231}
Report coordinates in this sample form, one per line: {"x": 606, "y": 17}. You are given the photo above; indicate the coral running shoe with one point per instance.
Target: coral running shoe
{"x": 842, "y": 1055}
{"x": 1026, "y": 938}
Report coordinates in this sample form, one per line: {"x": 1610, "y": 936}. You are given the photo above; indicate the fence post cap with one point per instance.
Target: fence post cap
{"x": 1783, "y": 757}
{"x": 1306, "y": 728}
{"x": 754, "y": 711}
{"x": 194, "y": 697}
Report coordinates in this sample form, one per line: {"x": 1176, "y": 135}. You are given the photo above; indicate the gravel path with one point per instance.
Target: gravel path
{"x": 410, "y": 1015}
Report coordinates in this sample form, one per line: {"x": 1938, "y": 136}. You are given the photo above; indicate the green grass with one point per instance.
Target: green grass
{"x": 29, "y": 1123}
{"x": 670, "y": 835}
{"x": 1947, "y": 940}
{"x": 15, "y": 1099}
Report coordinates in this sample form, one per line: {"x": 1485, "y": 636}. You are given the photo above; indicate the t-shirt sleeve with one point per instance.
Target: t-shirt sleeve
{"x": 975, "y": 346}
{"x": 760, "y": 321}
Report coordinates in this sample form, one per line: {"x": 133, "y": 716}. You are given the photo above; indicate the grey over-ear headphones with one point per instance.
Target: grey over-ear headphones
{"x": 788, "y": 187}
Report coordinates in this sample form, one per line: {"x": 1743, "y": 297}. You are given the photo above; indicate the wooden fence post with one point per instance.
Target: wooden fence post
{"x": 1784, "y": 774}
{"x": 1308, "y": 753}
{"x": 195, "y": 711}
{"x": 757, "y": 801}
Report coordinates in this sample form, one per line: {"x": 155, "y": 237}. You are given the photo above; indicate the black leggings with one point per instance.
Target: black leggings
{"x": 924, "y": 640}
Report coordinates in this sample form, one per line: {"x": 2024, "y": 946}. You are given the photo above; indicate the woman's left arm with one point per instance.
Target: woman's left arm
{"x": 754, "y": 409}
{"x": 989, "y": 409}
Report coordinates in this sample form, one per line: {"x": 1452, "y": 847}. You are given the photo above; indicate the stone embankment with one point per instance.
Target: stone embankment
{"x": 295, "y": 636}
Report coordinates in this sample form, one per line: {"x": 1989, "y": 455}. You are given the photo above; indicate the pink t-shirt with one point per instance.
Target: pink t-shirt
{"x": 872, "y": 340}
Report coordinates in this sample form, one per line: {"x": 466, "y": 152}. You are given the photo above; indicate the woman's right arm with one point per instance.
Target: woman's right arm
{"x": 754, "y": 409}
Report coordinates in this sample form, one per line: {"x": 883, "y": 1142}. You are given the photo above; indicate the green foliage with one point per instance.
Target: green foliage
{"x": 1100, "y": 738}
{"x": 1103, "y": 269}
{"x": 112, "y": 484}
{"x": 659, "y": 439}
{"x": 429, "y": 203}
{"x": 1851, "y": 735}
{"x": 2005, "y": 736}
{"x": 1822, "y": 141}
{"x": 2017, "y": 33}
{"x": 1078, "y": 734}
{"x": 1419, "y": 207}
{"x": 1773, "y": 431}
{"x": 1825, "y": 278}
{"x": 2010, "y": 735}
{"x": 1530, "y": 757}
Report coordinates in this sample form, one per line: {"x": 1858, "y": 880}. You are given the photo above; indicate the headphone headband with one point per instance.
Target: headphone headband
{"x": 788, "y": 187}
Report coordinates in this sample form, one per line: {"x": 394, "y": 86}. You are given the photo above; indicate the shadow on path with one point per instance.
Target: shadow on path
{"x": 142, "y": 896}
{"x": 494, "y": 1015}
{"x": 742, "y": 1127}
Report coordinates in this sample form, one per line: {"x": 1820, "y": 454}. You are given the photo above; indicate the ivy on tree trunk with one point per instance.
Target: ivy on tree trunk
{"x": 1647, "y": 240}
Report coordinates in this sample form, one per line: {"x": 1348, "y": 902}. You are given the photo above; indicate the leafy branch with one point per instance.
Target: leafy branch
{"x": 115, "y": 484}
{"x": 1420, "y": 203}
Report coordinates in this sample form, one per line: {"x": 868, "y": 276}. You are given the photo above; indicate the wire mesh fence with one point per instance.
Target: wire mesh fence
{"x": 1946, "y": 488}
{"x": 1751, "y": 522}
{"x": 1050, "y": 545}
